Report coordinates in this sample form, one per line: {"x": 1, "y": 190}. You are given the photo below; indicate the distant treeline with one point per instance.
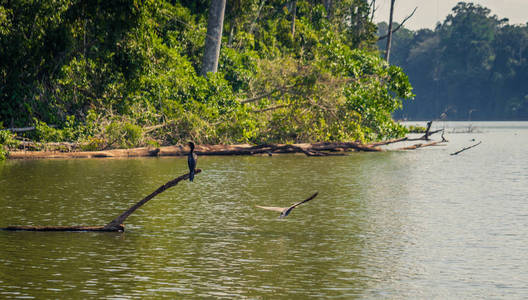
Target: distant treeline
{"x": 473, "y": 66}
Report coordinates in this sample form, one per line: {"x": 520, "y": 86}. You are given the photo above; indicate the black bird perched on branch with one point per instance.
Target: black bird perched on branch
{"x": 285, "y": 211}
{"x": 192, "y": 158}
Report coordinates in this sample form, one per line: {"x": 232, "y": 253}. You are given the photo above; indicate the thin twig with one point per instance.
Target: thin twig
{"x": 399, "y": 26}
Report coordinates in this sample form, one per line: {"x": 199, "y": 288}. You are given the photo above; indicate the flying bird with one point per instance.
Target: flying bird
{"x": 192, "y": 158}
{"x": 285, "y": 211}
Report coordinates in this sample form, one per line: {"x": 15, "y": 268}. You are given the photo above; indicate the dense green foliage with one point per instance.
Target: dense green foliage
{"x": 7, "y": 141}
{"x": 473, "y": 66}
{"x": 125, "y": 73}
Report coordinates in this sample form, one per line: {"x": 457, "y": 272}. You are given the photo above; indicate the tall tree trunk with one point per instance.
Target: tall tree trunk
{"x": 254, "y": 22}
{"x": 213, "y": 39}
{"x": 373, "y": 5}
{"x": 294, "y": 16}
{"x": 389, "y": 34}
{"x": 231, "y": 34}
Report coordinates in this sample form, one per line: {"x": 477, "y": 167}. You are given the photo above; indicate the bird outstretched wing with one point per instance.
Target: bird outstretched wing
{"x": 285, "y": 211}
{"x": 288, "y": 210}
{"x": 279, "y": 209}
{"x": 304, "y": 201}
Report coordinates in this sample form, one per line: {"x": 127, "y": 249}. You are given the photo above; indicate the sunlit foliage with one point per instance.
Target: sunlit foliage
{"x": 125, "y": 73}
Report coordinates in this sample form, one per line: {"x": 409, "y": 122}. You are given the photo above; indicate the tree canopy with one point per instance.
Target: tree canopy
{"x": 126, "y": 73}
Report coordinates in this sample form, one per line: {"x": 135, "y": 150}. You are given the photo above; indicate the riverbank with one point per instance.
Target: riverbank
{"x": 309, "y": 149}
{"x": 180, "y": 150}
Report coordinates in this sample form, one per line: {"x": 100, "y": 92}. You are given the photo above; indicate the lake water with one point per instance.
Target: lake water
{"x": 397, "y": 225}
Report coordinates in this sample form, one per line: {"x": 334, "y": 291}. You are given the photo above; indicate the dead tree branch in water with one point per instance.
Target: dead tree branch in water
{"x": 416, "y": 146}
{"x": 387, "y": 142}
{"x": 464, "y": 149}
{"x": 443, "y": 138}
{"x": 114, "y": 225}
{"x": 428, "y": 133}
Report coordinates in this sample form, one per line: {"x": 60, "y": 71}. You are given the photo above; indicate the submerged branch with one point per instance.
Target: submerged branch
{"x": 114, "y": 225}
{"x": 416, "y": 146}
{"x": 121, "y": 218}
{"x": 467, "y": 148}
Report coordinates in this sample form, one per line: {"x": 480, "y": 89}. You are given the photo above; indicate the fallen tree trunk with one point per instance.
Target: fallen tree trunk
{"x": 313, "y": 149}
{"x": 180, "y": 150}
{"x": 54, "y": 146}
{"x": 387, "y": 142}
{"x": 421, "y": 145}
{"x": 24, "y": 129}
{"x": 115, "y": 225}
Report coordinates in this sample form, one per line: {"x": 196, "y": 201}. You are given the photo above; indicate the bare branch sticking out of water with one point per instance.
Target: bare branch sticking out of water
{"x": 116, "y": 224}
{"x": 464, "y": 149}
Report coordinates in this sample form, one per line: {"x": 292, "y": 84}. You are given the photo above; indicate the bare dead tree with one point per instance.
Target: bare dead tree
{"x": 294, "y": 16}
{"x": 373, "y": 9}
{"x": 389, "y": 33}
{"x": 399, "y": 26}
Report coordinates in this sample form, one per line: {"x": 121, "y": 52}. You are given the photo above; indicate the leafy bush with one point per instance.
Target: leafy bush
{"x": 7, "y": 142}
{"x": 123, "y": 134}
{"x": 416, "y": 129}
{"x": 45, "y": 133}
{"x": 93, "y": 144}
{"x": 71, "y": 131}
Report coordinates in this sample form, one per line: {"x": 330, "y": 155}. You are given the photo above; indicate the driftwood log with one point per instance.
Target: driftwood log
{"x": 115, "y": 225}
{"x": 466, "y": 148}
{"x": 420, "y": 145}
{"x": 24, "y": 129}
{"x": 315, "y": 149}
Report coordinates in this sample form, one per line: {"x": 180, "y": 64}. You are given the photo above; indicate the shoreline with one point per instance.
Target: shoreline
{"x": 315, "y": 149}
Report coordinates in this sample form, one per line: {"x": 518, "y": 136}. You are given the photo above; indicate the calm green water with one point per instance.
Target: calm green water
{"x": 420, "y": 224}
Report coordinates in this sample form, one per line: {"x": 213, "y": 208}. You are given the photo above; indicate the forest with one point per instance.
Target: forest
{"x": 127, "y": 73}
{"x": 472, "y": 66}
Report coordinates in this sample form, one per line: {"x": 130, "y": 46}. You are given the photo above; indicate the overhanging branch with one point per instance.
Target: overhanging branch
{"x": 399, "y": 26}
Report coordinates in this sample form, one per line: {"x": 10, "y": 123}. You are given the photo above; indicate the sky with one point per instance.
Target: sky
{"x": 430, "y": 12}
